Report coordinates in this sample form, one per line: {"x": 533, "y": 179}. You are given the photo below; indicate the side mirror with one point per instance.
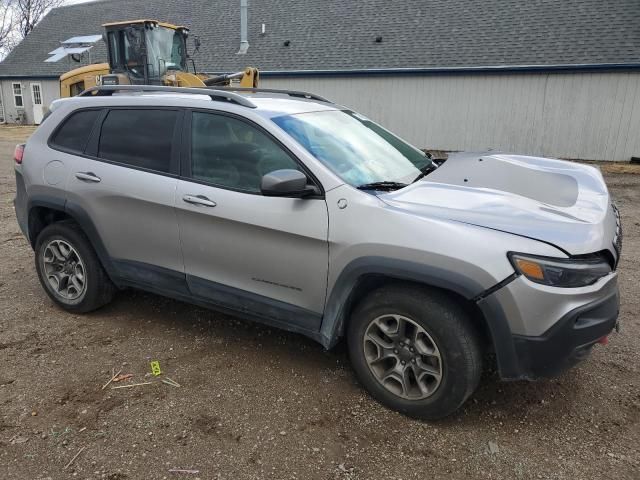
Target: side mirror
{"x": 286, "y": 183}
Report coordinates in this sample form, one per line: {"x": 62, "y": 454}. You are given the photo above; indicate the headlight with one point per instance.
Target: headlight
{"x": 560, "y": 272}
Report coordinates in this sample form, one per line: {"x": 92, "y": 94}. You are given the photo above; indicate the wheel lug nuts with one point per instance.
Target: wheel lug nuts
{"x": 412, "y": 349}
{"x": 395, "y": 351}
{"x": 403, "y": 362}
{"x": 413, "y": 360}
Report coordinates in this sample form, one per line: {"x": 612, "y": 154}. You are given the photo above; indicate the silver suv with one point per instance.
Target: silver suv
{"x": 285, "y": 208}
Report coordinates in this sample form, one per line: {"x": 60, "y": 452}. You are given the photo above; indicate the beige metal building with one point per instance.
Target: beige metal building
{"x": 545, "y": 78}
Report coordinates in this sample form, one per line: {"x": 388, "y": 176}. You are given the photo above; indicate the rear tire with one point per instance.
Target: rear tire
{"x": 69, "y": 269}
{"x": 431, "y": 334}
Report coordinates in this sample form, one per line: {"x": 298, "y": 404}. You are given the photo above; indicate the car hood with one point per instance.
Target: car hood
{"x": 563, "y": 203}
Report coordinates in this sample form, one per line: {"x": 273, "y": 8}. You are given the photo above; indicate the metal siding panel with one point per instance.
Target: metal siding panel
{"x": 624, "y": 81}
{"x": 632, "y": 145}
{"x": 584, "y": 116}
{"x": 50, "y": 91}
{"x": 625, "y": 117}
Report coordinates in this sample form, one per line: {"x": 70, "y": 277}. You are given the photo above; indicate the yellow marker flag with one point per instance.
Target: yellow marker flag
{"x": 155, "y": 368}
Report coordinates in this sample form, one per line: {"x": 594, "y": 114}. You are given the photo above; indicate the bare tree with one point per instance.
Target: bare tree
{"x": 6, "y": 26}
{"x": 29, "y": 12}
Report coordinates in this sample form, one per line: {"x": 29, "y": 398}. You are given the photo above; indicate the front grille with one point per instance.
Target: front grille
{"x": 617, "y": 239}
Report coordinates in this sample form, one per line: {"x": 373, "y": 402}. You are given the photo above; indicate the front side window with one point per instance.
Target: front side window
{"x": 76, "y": 88}
{"x": 165, "y": 48}
{"x": 139, "y": 138}
{"x": 114, "y": 49}
{"x": 17, "y": 95}
{"x": 74, "y": 133}
{"x": 359, "y": 151}
{"x": 133, "y": 46}
{"x": 231, "y": 153}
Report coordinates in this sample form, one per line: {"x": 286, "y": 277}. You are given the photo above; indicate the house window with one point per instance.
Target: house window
{"x": 17, "y": 95}
{"x": 37, "y": 93}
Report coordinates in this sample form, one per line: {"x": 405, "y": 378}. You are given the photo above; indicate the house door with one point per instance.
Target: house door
{"x": 36, "y": 95}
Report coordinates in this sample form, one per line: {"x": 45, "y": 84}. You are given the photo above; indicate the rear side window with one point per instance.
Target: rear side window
{"x": 74, "y": 133}
{"x": 139, "y": 138}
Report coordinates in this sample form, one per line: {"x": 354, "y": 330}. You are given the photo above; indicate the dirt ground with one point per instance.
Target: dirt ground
{"x": 258, "y": 403}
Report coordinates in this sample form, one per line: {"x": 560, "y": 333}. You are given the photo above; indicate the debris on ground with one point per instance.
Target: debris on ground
{"x": 132, "y": 385}
{"x": 181, "y": 470}
{"x": 124, "y": 376}
{"x": 111, "y": 379}
{"x": 59, "y": 433}
{"x": 168, "y": 381}
{"x": 74, "y": 458}
{"x": 17, "y": 440}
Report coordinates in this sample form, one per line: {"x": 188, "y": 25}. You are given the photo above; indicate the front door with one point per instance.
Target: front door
{"x": 36, "y": 97}
{"x": 264, "y": 255}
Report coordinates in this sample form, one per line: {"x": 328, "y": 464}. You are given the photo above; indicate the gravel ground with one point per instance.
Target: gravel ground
{"x": 259, "y": 403}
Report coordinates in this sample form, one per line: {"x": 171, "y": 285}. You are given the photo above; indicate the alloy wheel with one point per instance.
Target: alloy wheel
{"x": 403, "y": 357}
{"x": 64, "y": 270}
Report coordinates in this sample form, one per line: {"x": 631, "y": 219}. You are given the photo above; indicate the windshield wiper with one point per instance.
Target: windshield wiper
{"x": 426, "y": 170}
{"x": 381, "y": 186}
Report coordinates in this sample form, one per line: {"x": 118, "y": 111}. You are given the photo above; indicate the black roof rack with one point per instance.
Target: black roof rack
{"x": 215, "y": 94}
{"x": 291, "y": 93}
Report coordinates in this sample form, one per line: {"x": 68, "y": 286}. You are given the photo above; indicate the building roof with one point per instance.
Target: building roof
{"x": 338, "y": 35}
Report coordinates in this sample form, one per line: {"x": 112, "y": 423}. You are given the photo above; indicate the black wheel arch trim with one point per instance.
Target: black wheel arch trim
{"x": 81, "y": 217}
{"x": 333, "y": 324}
{"x": 41, "y": 201}
{"x": 340, "y": 297}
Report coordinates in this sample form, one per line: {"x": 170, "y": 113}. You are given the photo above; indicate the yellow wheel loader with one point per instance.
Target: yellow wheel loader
{"x": 147, "y": 52}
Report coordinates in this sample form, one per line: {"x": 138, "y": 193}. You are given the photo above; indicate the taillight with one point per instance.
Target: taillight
{"x": 18, "y": 153}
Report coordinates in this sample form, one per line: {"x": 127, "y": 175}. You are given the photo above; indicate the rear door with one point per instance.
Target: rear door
{"x": 125, "y": 183}
{"x": 264, "y": 255}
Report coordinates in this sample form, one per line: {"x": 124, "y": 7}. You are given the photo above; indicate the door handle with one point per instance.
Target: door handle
{"x": 200, "y": 200}
{"x": 88, "y": 177}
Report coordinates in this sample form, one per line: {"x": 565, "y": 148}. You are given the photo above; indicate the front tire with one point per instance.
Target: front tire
{"x": 415, "y": 350}
{"x": 69, "y": 269}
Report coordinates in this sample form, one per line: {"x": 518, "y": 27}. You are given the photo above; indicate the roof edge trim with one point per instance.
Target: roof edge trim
{"x": 454, "y": 70}
{"x": 586, "y": 67}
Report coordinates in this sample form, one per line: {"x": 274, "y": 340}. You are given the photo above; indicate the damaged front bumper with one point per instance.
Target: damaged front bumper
{"x": 545, "y": 330}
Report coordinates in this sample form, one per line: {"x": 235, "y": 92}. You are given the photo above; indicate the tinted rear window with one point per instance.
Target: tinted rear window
{"x": 74, "y": 133}
{"x": 140, "y": 138}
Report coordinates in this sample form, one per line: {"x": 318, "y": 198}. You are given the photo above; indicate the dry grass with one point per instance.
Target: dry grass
{"x": 17, "y": 133}
{"x": 619, "y": 167}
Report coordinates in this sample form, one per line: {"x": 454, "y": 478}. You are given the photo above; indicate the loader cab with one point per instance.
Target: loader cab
{"x": 142, "y": 52}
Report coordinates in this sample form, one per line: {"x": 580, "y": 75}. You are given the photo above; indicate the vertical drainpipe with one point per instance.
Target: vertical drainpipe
{"x": 244, "y": 20}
